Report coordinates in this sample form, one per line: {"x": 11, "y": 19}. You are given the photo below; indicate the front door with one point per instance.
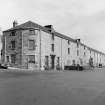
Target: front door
{"x": 31, "y": 62}
{"x": 52, "y": 61}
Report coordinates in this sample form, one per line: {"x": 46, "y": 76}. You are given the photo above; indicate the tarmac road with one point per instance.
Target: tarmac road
{"x": 52, "y": 88}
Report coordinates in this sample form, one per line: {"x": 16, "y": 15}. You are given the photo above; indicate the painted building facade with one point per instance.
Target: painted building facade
{"x": 32, "y": 46}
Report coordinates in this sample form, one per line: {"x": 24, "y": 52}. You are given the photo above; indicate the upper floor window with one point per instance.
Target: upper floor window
{"x": 84, "y": 54}
{"x": 84, "y": 47}
{"x": 68, "y": 42}
{"x": 13, "y": 44}
{"x": 13, "y": 33}
{"x": 32, "y": 44}
{"x": 52, "y": 36}
{"x": 94, "y": 53}
{"x": 68, "y": 50}
{"x": 77, "y": 45}
{"x": 32, "y": 32}
{"x": 52, "y": 47}
{"x": 77, "y": 52}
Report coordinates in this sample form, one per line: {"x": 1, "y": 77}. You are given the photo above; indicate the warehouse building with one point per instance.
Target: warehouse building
{"x": 32, "y": 46}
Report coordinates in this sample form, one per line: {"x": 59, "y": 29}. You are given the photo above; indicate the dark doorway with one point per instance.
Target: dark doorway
{"x": 52, "y": 61}
{"x": 13, "y": 58}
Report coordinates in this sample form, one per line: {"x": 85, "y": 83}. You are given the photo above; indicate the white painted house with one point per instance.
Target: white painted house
{"x": 32, "y": 46}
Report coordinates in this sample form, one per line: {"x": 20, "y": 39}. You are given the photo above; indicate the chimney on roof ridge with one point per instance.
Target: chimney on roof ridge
{"x": 15, "y": 23}
{"x": 78, "y": 40}
{"x": 50, "y": 28}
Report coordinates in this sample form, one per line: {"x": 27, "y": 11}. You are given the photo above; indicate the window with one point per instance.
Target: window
{"x": 77, "y": 52}
{"x": 31, "y": 59}
{"x": 68, "y": 50}
{"x": 73, "y": 62}
{"x": 52, "y": 36}
{"x": 58, "y": 60}
{"x": 68, "y": 42}
{"x": 84, "y": 54}
{"x": 13, "y": 44}
{"x": 46, "y": 61}
{"x": 84, "y": 47}
{"x": 13, "y": 58}
{"x": 13, "y": 33}
{"x": 32, "y": 32}
{"x": 32, "y": 44}
{"x": 77, "y": 45}
{"x": 52, "y": 45}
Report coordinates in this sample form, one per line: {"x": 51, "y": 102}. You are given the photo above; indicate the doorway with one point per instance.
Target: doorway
{"x": 52, "y": 61}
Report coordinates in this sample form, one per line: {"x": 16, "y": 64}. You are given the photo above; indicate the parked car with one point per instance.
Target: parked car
{"x": 100, "y": 65}
{"x": 3, "y": 66}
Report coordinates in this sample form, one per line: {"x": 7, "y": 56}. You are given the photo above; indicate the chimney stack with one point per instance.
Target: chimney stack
{"x": 15, "y": 23}
{"x": 78, "y": 40}
{"x": 50, "y": 28}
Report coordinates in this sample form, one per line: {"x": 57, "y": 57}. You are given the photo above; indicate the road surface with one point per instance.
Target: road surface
{"x": 52, "y": 88}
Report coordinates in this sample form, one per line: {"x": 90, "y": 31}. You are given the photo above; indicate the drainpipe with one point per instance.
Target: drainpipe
{"x": 40, "y": 48}
{"x": 61, "y": 53}
{"x": 5, "y": 48}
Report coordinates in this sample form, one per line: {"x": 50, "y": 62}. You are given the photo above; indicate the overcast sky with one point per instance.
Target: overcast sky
{"x": 84, "y": 19}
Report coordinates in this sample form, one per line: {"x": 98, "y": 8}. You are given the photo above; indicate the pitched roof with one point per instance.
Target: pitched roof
{"x": 30, "y": 24}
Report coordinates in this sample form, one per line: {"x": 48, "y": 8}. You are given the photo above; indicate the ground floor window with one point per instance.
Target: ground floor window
{"x": 31, "y": 58}
{"x": 58, "y": 63}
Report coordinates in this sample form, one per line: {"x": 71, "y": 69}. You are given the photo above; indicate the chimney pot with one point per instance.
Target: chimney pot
{"x": 15, "y": 23}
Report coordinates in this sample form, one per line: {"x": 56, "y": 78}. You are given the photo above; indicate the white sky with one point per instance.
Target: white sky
{"x": 83, "y": 19}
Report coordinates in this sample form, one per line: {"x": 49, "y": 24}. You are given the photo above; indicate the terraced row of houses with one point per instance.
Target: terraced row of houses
{"x": 32, "y": 46}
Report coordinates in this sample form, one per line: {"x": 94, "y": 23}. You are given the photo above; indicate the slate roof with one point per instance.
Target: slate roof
{"x": 30, "y": 24}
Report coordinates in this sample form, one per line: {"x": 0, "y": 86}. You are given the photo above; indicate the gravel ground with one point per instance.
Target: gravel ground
{"x": 52, "y": 88}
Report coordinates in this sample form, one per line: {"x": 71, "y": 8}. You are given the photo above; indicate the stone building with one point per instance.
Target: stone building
{"x": 32, "y": 46}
